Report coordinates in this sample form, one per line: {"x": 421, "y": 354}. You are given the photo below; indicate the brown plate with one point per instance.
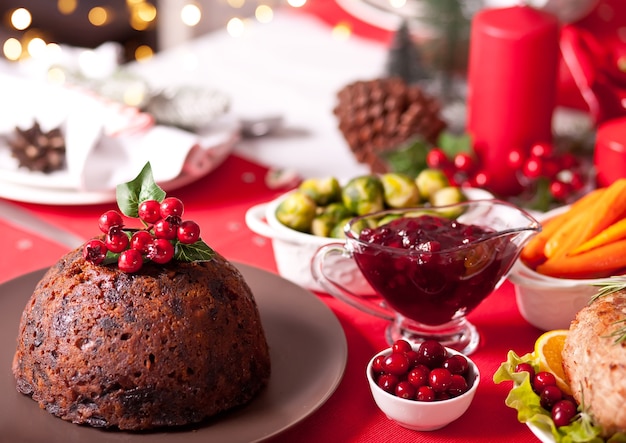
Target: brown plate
{"x": 308, "y": 350}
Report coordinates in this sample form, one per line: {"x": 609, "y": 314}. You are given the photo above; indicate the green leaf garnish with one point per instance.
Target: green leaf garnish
{"x": 453, "y": 144}
{"x": 408, "y": 159}
{"x": 522, "y": 398}
{"x": 143, "y": 187}
{"x": 198, "y": 251}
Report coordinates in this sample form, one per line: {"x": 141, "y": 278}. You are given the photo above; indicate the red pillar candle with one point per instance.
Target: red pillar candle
{"x": 512, "y": 79}
{"x": 610, "y": 151}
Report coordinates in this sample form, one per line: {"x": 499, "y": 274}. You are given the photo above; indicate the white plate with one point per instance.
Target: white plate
{"x": 16, "y": 186}
{"x": 307, "y": 346}
{"x": 543, "y": 436}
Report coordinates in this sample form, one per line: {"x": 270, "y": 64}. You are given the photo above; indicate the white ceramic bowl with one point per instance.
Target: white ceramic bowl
{"x": 547, "y": 302}
{"x": 420, "y": 415}
{"x": 293, "y": 250}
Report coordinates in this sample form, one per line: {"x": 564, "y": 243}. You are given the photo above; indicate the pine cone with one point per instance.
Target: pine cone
{"x": 382, "y": 114}
{"x": 38, "y": 150}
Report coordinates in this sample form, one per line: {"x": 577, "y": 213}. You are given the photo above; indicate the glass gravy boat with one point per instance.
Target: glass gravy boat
{"x": 427, "y": 294}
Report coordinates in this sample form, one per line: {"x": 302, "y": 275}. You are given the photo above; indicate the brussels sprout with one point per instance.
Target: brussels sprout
{"x": 448, "y": 196}
{"x": 400, "y": 190}
{"x": 363, "y": 195}
{"x": 323, "y": 224}
{"x": 356, "y": 227}
{"x": 388, "y": 218}
{"x": 337, "y": 231}
{"x": 429, "y": 181}
{"x": 337, "y": 211}
{"x": 297, "y": 211}
{"x": 322, "y": 190}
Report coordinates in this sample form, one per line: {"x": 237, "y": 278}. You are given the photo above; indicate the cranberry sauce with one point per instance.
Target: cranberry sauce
{"x": 437, "y": 270}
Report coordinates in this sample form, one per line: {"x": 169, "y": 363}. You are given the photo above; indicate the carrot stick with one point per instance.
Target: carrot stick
{"x": 608, "y": 208}
{"x": 615, "y": 232}
{"x": 533, "y": 253}
{"x": 603, "y": 261}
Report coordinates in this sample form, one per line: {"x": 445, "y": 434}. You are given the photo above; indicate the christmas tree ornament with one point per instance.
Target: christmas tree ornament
{"x": 404, "y": 59}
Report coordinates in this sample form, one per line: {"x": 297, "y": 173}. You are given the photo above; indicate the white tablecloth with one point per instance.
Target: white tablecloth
{"x": 293, "y": 66}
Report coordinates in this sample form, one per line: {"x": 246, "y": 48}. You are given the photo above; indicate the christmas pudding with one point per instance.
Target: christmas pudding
{"x": 137, "y": 335}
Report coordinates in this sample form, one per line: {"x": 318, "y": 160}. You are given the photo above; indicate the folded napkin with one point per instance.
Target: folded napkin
{"x": 106, "y": 143}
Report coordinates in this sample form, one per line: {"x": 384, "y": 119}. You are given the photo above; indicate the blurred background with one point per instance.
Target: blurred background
{"x": 142, "y": 27}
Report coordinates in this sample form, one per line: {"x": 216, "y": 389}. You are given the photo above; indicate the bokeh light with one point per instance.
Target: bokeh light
{"x": 21, "y": 19}
{"x": 235, "y": 27}
{"x": 66, "y": 7}
{"x": 264, "y": 14}
{"x": 98, "y": 16}
{"x": 191, "y": 14}
{"x": 342, "y": 31}
{"x": 296, "y": 3}
{"x": 12, "y": 49}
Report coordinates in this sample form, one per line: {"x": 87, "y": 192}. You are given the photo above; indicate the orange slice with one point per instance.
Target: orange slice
{"x": 548, "y": 349}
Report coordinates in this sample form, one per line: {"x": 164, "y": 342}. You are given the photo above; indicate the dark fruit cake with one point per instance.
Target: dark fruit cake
{"x": 167, "y": 344}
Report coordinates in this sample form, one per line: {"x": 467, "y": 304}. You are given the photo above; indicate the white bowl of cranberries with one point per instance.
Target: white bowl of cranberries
{"x": 422, "y": 387}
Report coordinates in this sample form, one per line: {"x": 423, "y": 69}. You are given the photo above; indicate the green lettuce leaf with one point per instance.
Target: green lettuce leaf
{"x": 522, "y": 398}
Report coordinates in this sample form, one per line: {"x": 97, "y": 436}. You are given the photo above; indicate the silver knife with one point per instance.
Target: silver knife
{"x": 27, "y": 221}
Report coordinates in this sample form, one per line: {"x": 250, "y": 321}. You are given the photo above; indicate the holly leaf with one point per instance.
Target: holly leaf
{"x": 143, "y": 187}
{"x": 198, "y": 251}
{"x": 453, "y": 144}
{"x": 408, "y": 159}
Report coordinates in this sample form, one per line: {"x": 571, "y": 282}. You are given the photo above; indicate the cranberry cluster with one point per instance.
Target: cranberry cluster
{"x": 563, "y": 171}
{"x": 562, "y": 406}
{"x": 425, "y": 374}
{"x": 163, "y": 228}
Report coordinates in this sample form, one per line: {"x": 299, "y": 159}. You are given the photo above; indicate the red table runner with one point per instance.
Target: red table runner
{"x": 219, "y": 202}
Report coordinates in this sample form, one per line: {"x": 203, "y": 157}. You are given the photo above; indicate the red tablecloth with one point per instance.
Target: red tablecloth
{"x": 219, "y": 202}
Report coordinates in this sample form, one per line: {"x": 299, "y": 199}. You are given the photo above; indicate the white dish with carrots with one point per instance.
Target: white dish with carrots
{"x": 580, "y": 246}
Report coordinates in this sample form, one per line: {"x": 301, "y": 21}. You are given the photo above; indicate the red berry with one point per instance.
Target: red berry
{"x": 480, "y": 180}
{"x": 549, "y": 396}
{"x": 560, "y": 190}
{"x": 95, "y": 251}
{"x": 577, "y": 181}
{"x": 161, "y": 251}
{"x": 563, "y": 412}
{"x": 171, "y": 206}
{"x": 526, "y": 367}
{"x": 165, "y": 229}
{"x": 402, "y": 346}
{"x": 456, "y": 364}
{"x": 532, "y": 168}
{"x": 188, "y": 232}
{"x": 388, "y": 382}
{"x": 116, "y": 240}
{"x": 418, "y": 376}
{"x": 515, "y": 159}
{"x": 437, "y": 159}
{"x": 130, "y": 261}
{"x": 109, "y": 220}
{"x": 541, "y": 150}
{"x": 543, "y": 379}
{"x": 431, "y": 353}
{"x": 141, "y": 241}
{"x": 405, "y": 390}
{"x": 377, "y": 364}
{"x": 440, "y": 379}
{"x": 464, "y": 162}
{"x": 149, "y": 211}
{"x": 425, "y": 393}
{"x": 396, "y": 363}
{"x": 458, "y": 385}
